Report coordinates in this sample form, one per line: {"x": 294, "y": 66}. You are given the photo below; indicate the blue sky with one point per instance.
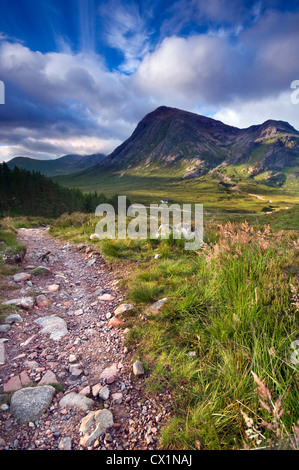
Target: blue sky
{"x": 80, "y": 74}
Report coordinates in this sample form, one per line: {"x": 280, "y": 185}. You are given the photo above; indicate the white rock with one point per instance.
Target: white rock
{"x": 21, "y": 277}
{"x": 123, "y": 308}
{"x": 94, "y": 425}
{"x": 94, "y": 236}
{"x": 53, "y": 325}
{"x": 138, "y": 368}
{"x": 75, "y": 400}
{"x": 104, "y": 393}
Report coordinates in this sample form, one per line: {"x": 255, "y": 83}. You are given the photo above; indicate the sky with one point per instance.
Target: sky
{"x": 80, "y": 74}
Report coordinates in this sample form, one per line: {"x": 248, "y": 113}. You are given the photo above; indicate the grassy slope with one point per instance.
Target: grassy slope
{"x": 232, "y": 303}
{"x": 157, "y": 181}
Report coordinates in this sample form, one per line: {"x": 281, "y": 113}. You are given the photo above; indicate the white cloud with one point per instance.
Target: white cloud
{"x": 125, "y": 30}
{"x": 247, "y": 113}
{"x": 72, "y": 99}
{"x": 185, "y": 70}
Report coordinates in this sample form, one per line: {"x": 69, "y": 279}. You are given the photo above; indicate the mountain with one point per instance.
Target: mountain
{"x": 173, "y": 151}
{"x": 67, "y": 164}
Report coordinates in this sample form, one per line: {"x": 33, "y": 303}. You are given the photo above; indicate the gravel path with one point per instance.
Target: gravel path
{"x": 86, "y": 355}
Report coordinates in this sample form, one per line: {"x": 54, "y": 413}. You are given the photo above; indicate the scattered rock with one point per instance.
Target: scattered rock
{"x": 48, "y": 378}
{"x": 99, "y": 291}
{"x": 53, "y": 325}
{"x": 156, "y": 306}
{"x": 78, "y": 312}
{"x": 104, "y": 393}
{"x": 25, "y": 380}
{"x": 138, "y": 368}
{"x": 109, "y": 371}
{"x": 53, "y": 288}
{"x": 123, "y": 308}
{"x": 42, "y": 301}
{"x": 28, "y": 404}
{"x": 115, "y": 322}
{"x": 94, "y": 425}
{"x": 2, "y": 353}
{"x": 4, "y": 328}
{"x": 65, "y": 444}
{"x": 24, "y": 302}
{"x": 85, "y": 391}
{"x": 75, "y": 400}
{"x": 91, "y": 262}
{"x": 117, "y": 397}
{"x": 13, "y": 318}
{"x": 75, "y": 370}
{"x": 95, "y": 389}
{"x": 106, "y": 297}
{"x": 21, "y": 277}
{"x": 12, "y": 385}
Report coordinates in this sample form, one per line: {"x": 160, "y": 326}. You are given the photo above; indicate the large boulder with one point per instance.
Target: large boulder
{"x": 28, "y": 404}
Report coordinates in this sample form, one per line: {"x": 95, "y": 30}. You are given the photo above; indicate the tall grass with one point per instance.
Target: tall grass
{"x": 233, "y": 305}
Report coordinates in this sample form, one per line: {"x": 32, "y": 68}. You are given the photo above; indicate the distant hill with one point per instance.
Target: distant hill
{"x": 175, "y": 154}
{"x": 65, "y": 165}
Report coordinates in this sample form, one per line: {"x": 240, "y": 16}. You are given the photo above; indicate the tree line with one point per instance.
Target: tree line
{"x": 23, "y": 192}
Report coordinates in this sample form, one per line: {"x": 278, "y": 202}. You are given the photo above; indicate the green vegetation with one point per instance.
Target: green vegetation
{"x": 233, "y": 304}
{"x": 26, "y": 193}
{"x": 9, "y": 248}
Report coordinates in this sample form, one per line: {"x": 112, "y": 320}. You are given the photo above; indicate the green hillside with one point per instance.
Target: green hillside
{"x": 183, "y": 157}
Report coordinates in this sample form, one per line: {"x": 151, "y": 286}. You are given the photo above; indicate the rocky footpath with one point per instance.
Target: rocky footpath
{"x": 66, "y": 379}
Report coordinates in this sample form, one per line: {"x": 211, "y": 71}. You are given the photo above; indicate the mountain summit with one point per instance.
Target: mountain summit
{"x": 182, "y": 141}
{"x": 179, "y": 155}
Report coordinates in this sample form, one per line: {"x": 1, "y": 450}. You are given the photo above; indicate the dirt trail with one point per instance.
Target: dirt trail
{"x": 93, "y": 342}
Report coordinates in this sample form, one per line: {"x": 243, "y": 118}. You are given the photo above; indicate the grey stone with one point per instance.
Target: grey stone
{"x": 24, "y": 302}
{"x": 123, "y": 308}
{"x": 191, "y": 354}
{"x": 75, "y": 400}
{"x": 2, "y": 353}
{"x": 99, "y": 292}
{"x": 109, "y": 371}
{"x": 28, "y": 404}
{"x": 21, "y": 277}
{"x": 13, "y": 318}
{"x": 75, "y": 370}
{"x": 4, "y": 328}
{"x": 104, "y": 393}
{"x": 65, "y": 444}
{"x": 91, "y": 262}
{"x": 94, "y": 425}
{"x": 138, "y": 368}
{"x": 156, "y": 306}
{"x": 53, "y": 325}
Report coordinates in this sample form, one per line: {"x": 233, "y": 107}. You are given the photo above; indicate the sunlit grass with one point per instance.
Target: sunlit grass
{"x": 232, "y": 305}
